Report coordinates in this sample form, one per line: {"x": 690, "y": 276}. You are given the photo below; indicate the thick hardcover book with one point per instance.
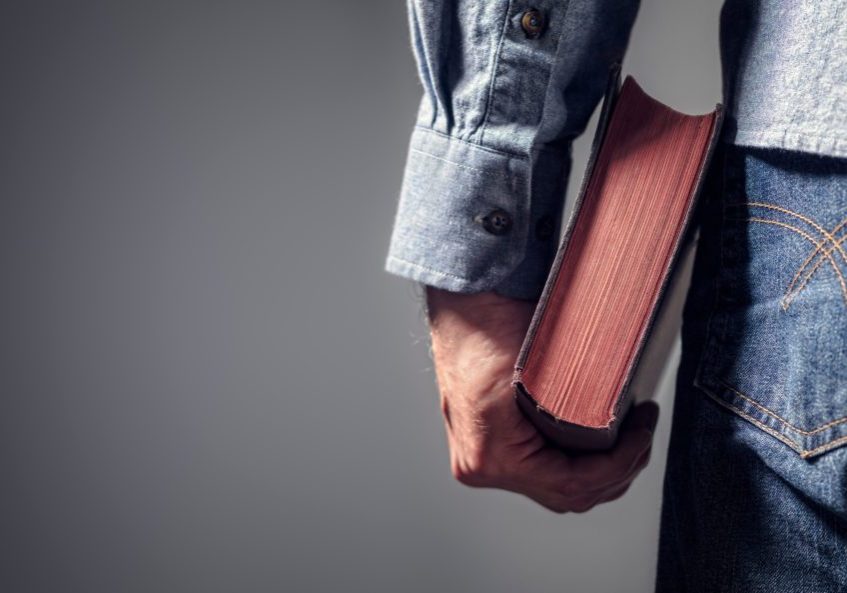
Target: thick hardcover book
{"x": 629, "y": 229}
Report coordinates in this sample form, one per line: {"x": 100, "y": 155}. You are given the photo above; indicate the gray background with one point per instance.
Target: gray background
{"x": 207, "y": 382}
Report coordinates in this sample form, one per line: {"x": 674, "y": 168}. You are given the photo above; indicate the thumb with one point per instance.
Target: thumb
{"x": 643, "y": 416}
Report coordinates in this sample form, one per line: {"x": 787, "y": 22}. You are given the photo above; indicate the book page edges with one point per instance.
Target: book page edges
{"x": 612, "y": 90}
{"x": 682, "y": 245}
{"x": 559, "y": 430}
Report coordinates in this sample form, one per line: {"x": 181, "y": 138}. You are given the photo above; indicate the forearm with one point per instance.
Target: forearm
{"x": 478, "y": 219}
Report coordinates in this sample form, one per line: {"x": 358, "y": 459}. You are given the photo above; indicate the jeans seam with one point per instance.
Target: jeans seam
{"x": 802, "y": 451}
{"x": 455, "y": 164}
{"x": 826, "y": 446}
{"x": 774, "y": 433}
{"x": 709, "y": 329}
{"x": 776, "y": 416}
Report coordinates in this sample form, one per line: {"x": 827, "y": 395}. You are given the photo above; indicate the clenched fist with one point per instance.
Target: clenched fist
{"x": 475, "y": 342}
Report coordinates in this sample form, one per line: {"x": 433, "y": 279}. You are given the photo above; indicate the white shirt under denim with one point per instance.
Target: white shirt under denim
{"x": 508, "y": 85}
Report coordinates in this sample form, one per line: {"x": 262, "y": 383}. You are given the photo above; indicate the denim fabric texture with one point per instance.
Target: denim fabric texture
{"x": 507, "y": 86}
{"x": 755, "y": 490}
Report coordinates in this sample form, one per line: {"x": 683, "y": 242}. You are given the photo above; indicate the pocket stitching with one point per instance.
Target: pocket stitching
{"x": 820, "y": 247}
{"x": 780, "y": 418}
{"x": 713, "y": 324}
{"x": 806, "y": 219}
{"x": 804, "y": 453}
{"x": 791, "y": 443}
{"x": 787, "y": 297}
{"x": 827, "y": 253}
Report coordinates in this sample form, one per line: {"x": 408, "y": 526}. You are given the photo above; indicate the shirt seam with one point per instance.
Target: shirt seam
{"x": 428, "y": 269}
{"x": 495, "y": 151}
{"x": 455, "y": 164}
{"x": 482, "y": 147}
{"x": 495, "y": 64}
{"x": 768, "y": 130}
{"x": 826, "y": 145}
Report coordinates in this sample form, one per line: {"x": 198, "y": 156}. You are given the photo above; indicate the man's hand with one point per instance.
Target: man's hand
{"x": 475, "y": 343}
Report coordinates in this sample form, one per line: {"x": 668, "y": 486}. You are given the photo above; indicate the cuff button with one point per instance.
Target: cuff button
{"x": 496, "y": 222}
{"x": 532, "y": 23}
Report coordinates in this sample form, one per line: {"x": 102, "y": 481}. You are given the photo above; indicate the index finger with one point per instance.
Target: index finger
{"x": 600, "y": 470}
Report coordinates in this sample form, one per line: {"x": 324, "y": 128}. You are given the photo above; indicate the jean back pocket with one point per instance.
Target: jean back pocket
{"x": 776, "y": 344}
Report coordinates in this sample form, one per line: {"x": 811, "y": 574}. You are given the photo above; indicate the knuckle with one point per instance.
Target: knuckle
{"x": 465, "y": 475}
{"x": 474, "y": 470}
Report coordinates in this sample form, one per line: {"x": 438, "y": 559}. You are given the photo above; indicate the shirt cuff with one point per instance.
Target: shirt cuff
{"x": 474, "y": 219}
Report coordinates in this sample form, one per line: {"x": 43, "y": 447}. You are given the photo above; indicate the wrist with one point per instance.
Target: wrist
{"x": 454, "y": 316}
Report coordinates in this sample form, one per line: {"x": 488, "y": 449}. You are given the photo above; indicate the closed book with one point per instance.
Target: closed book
{"x": 620, "y": 251}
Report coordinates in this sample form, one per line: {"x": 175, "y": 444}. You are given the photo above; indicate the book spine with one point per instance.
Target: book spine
{"x": 561, "y": 432}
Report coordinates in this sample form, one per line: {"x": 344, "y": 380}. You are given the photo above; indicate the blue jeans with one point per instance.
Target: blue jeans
{"x": 755, "y": 491}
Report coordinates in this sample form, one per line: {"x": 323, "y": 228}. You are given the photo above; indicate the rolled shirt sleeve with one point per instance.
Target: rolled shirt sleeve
{"x": 507, "y": 86}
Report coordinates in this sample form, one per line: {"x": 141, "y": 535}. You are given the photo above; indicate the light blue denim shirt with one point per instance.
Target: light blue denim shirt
{"x": 508, "y": 85}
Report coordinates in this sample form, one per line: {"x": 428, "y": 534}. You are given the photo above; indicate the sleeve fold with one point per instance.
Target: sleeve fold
{"x": 449, "y": 188}
{"x": 493, "y": 135}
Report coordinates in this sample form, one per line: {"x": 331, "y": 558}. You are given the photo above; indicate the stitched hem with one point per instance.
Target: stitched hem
{"x": 807, "y": 443}
{"x": 455, "y": 164}
{"x": 535, "y": 148}
{"x": 503, "y": 153}
{"x": 432, "y": 277}
{"x": 521, "y": 290}
{"x": 823, "y": 144}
